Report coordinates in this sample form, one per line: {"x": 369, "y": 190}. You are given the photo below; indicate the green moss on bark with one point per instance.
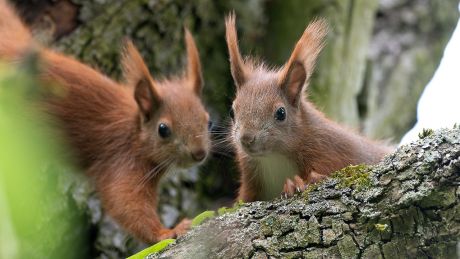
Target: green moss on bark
{"x": 356, "y": 176}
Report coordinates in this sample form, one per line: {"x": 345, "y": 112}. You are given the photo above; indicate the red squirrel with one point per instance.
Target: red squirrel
{"x": 282, "y": 141}
{"x": 125, "y": 135}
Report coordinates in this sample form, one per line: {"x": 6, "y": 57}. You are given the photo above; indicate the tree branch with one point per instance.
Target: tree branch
{"x": 406, "y": 206}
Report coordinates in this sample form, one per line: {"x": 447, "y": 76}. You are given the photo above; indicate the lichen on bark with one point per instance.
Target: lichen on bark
{"x": 411, "y": 209}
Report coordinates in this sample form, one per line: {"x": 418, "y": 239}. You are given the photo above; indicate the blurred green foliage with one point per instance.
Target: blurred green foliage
{"x": 38, "y": 219}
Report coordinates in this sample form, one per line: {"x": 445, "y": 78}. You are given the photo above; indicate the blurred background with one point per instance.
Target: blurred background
{"x": 379, "y": 56}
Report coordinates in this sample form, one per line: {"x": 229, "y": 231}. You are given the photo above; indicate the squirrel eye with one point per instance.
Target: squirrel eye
{"x": 232, "y": 113}
{"x": 280, "y": 114}
{"x": 164, "y": 130}
{"x": 210, "y": 125}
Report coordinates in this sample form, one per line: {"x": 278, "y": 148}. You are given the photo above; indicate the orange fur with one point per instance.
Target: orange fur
{"x": 113, "y": 128}
{"x": 306, "y": 140}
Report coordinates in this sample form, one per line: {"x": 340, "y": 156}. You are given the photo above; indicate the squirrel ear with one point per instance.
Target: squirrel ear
{"x": 147, "y": 99}
{"x": 293, "y": 82}
{"x": 136, "y": 74}
{"x": 194, "y": 75}
{"x": 297, "y": 71}
{"x": 238, "y": 68}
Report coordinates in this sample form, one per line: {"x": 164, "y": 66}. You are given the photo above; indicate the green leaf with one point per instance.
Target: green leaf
{"x": 202, "y": 217}
{"x": 158, "y": 247}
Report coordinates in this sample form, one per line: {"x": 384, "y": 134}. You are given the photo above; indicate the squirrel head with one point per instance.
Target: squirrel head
{"x": 268, "y": 104}
{"x": 172, "y": 119}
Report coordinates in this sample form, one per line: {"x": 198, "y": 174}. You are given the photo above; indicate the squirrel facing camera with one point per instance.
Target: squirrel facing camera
{"x": 282, "y": 141}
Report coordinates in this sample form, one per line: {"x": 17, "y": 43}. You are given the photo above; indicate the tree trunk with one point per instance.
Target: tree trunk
{"x": 407, "y": 45}
{"x": 405, "y": 207}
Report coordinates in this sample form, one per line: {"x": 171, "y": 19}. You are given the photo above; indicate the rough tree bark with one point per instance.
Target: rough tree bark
{"x": 405, "y": 207}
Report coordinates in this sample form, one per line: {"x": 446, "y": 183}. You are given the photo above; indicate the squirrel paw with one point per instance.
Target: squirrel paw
{"x": 183, "y": 227}
{"x": 166, "y": 234}
{"x": 291, "y": 187}
{"x": 179, "y": 230}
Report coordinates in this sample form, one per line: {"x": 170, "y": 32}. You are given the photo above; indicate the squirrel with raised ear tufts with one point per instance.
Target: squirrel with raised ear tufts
{"x": 282, "y": 141}
{"x": 126, "y": 136}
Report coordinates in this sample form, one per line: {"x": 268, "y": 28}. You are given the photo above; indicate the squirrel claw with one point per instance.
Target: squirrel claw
{"x": 283, "y": 195}
{"x": 291, "y": 187}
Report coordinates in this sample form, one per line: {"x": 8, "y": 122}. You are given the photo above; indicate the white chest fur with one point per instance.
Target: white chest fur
{"x": 273, "y": 170}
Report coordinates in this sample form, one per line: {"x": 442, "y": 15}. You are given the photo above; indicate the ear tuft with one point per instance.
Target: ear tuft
{"x": 238, "y": 68}
{"x": 134, "y": 68}
{"x": 297, "y": 71}
{"x": 194, "y": 75}
{"x": 312, "y": 42}
{"x": 147, "y": 96}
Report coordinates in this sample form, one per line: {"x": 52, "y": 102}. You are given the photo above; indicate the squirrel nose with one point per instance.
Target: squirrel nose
{"x": 247, "y": 140}
{"x": 198, "y": 155}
